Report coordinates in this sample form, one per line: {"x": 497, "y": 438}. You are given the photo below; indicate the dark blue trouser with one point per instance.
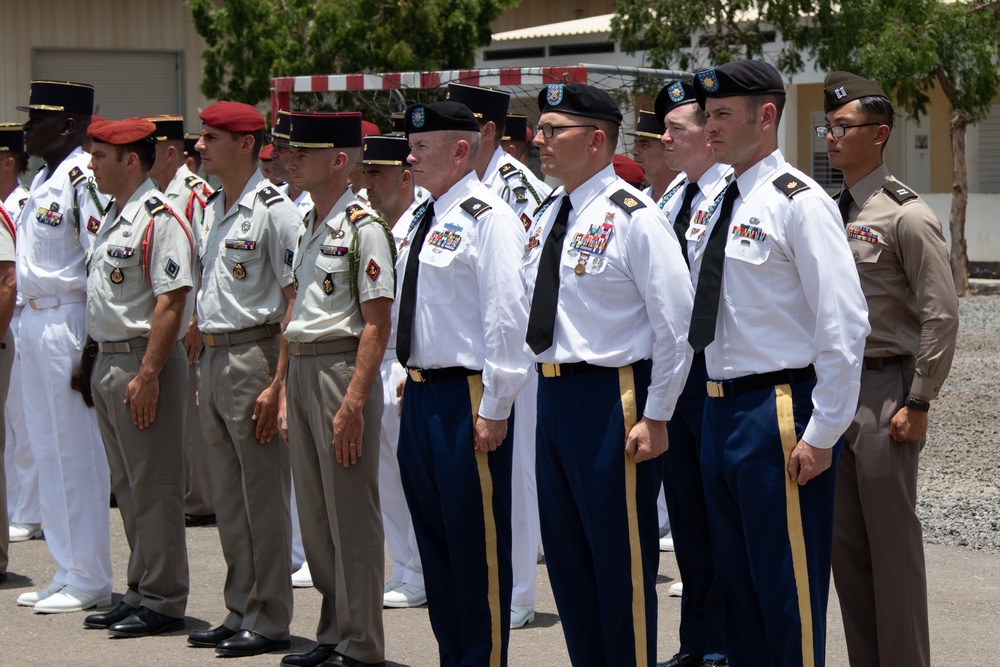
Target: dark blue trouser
{"x": 702, "y": 618}
{"x": 460, "y": 503}
{"x": 771, "y": 538}
{"x": 598, "y": 516}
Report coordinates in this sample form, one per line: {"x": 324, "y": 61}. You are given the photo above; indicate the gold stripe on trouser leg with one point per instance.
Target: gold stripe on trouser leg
{"x": 786, "y": 426}
{"x": 626, "y": 383}
{"x": 489, "y": 523}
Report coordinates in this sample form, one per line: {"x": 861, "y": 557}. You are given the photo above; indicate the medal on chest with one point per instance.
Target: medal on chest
{"x": 245, "y": 227}
{"x": 862, "y": 234}
{"x": 449, "y": 239}
{"x": 116, "y": 276}
{"x": 239, "y": 272}
{"x": 589, "y": 247}
{"x": 50, "y": 216}
{"x": 328, "y": 284}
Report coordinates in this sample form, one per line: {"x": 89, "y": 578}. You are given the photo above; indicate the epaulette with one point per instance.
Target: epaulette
{"x": 475, "y": 207}
{"x": 193, "y": 181}
{"x": 898, "y": 191}
{"x": 789, "y": 185}
{"x": 544, "y": 205}
{"x": 76, "y": 176}
{"x": 508, "y": 171}
{"x": 270, "y": 195}
{"x": 214, "y": 195}
{"x": 627, "y": 201}
{"x": 356, "y": 214}
{"x": 154, "y": 205}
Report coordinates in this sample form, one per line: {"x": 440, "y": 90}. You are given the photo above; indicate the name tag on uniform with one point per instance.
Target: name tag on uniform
{"x": 240, "y": 244}
{"x": 120, "y": 251}
{"x": 333, "y": 250}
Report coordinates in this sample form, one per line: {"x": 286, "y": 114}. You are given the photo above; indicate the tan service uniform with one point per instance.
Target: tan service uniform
{"x": 7, "y": 254}
{"x": 878, "y": 556}
{"x": 247, "y": 259}
{"x": 128, "y": 269}
{"x": 339, "y": 512}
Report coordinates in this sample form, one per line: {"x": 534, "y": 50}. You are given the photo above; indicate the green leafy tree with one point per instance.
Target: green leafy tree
{"x": 906, "y": 46}
{"x": 250, "y": 41}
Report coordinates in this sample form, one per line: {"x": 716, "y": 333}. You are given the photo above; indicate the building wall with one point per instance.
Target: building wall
{"x": 529, "y": 14}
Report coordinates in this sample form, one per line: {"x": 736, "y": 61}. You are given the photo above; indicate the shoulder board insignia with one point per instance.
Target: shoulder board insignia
{"x": 627, "y": 201}
{"x": 269, "y": 195}
{"x": 193, "y": 181}
{"x": 76, "y": 176}
{"x": 215, "y": 194}
{"x": 356, "y": 214}
{"x": 508, "y": 170}
{"x": 789, "y": 185}
{"x": 154, "y": 205}
{"x": 475, "y": 207}
{"x": 898, "y": 191}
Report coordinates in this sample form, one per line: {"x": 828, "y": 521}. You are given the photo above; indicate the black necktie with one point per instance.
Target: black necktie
{"x": 683, "y": 218}
{"x": 706, "y": 298}
{"x": 844, "y": 203}
{"x": 542, "y": 319}
{"x": 408, "y": 294}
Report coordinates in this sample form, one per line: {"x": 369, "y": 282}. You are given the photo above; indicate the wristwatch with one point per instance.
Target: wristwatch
{"x": 914, "y": 404}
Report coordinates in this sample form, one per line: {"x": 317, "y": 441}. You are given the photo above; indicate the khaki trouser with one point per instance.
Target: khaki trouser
{"x": 197, "y": 476}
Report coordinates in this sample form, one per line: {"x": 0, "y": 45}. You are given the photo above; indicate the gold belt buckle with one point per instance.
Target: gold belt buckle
{"x": 31, "y": 302}
{"x": 416, "y": 375}
{"x": 210, "y": 340}
{"x": 715, "y": 389}
{"x": 550, "y": 370}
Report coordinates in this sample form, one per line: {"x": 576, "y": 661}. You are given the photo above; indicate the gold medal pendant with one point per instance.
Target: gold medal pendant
{"x": 116, "y": 276}
{"x": 239, "y": 272}
{"x": 328, "y": 284}
{"x": 581, "y": 268}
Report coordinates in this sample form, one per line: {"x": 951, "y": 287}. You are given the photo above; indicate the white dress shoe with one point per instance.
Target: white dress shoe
{"x": 22, "y": 532}
{"x": 677, "y": 590}
{"x": 405, "y": 596}
{"x": 667, "y": 542}
{"x": 302, "y": 577}
{"x": 31, "y": 599}
{"x": 521, "y": 616}
{"x": 70, "y": 599}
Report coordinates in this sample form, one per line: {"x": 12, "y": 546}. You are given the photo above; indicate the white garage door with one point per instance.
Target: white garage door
{"x": 126, "y": 83}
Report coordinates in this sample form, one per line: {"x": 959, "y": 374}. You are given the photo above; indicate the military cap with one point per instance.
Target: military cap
{"x": 385, "y": 150}
{"x": 580, "y": 100}
{"x": 740, "y": 77}
{"x": 440, "y": 116}
{"x": 674, "y": 94}
{"x": 839, "y": 88}
{"x": 324, "y": 130}
{"x": 168, "y": 128}
{"x": 486, "y": 104}
{"x": 122, "y": 132}
{"x": 516, "y": 128}
{"x": 11, "y": 138}
{"x": 648, "y": 125}
{"x": 189, "y": 141}
{"x": 60, "y": 96}
{"x": 398, "y": 123}
{"x": 266, "y": 153}
{"x": 281, "y": 120}
{"x": 233, "y": 117}
{"x": 628, "y": 169}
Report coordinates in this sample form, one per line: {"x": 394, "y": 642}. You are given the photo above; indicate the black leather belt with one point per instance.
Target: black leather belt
{"x": 575, "y": 368}
{"x": 748, "y": 383}
{"x": 250, "y": 335}
{"x": 878, "y": 363}
{"x": 432, "y": 375}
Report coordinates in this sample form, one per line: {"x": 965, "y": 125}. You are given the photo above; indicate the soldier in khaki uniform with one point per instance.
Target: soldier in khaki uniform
{"x": 188, "y": 195}
{"x": 246, "y": 293}
{"x": 902, "y": 260}
{"x": 337, "y": 336}
{"x": 139, "y": 276}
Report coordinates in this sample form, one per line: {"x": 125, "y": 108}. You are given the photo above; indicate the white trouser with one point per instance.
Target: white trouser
{"x": 22, "y": 478}
{"x": 298, "y": 551}
{"x": 73, "y": 479}
{"x": 396, "y": 522}
{"x": 525, "y": 531}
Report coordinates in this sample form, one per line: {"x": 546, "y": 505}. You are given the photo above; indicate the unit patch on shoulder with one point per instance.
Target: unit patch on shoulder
{"x": 373, "y": 270}
{"x": 356, "y": 214}
{"x": 269, "y": 195}
{"x": 475, "y": 207}
{"x": 93, "y": 225}
{"x": 790, "y": 185}
{"x": 627, "y": 201}
{"x": 172, "y": 268}
{"x": 76, "y": 176}
{"x": 154, "y": 205}
{"x": 289, "y": 256}
{"x": 898, "y": 191}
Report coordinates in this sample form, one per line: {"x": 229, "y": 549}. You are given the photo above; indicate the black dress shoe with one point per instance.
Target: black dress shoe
{"x": 315, "y": 657}
{"x": 106, "y": 619}
{"x": 248, "y": 642}
{"x": 193, "y": 520}
{"x": 341, "y": 660}
{"x": 144, "y": 623}
{"x": 210, "y": 638}
{"x": 3, "y": 577}
{"x": 683, "y": 660}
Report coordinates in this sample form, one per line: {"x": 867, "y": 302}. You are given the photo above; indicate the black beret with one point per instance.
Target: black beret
{"x": 324, "y": 130}
{"x": 674, "y": 94}
{"x": 168, "y": 128}
{"x": 385, "y": 149}
{"x": 440, "y": 116}
{"x": 189, "y": 141}
{"x": 398, "y": 123}
{"x": 839, "y": 88}
{"x": 60, "y": 96}
{"x": 11, "y": 138}
{"x": 580, "y": 100}
{"x": 515, "y": 128}
{"x": 485, "y": 104}
{"x": 740, "y": 77}
{"x": 647, "y": 125}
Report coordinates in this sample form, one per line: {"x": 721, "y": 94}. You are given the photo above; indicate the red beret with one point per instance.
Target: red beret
{"x": 121, "y": 132}
{"x": 233, "y": 117}
{"x": 629, "y": 170}
{"x": 266, "y": 153}
{"x": 369, "y": 128}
